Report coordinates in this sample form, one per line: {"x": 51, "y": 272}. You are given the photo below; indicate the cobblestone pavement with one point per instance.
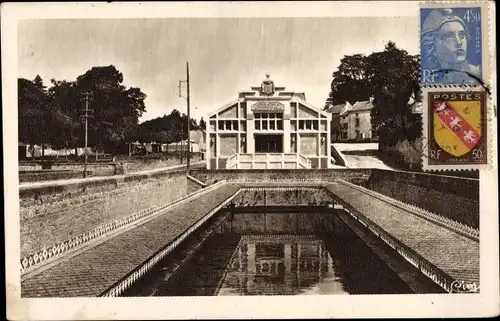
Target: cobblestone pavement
{"x": 95, "y": 270}
{"x": 454, "y": 254}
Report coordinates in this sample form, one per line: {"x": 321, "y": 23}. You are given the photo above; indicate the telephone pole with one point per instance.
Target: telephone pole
{"x": 188, "y": 100}
{"x": 87, "y": 96}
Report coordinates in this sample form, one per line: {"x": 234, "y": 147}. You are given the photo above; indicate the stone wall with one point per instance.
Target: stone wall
{"x": 453, "y": 197}
{"x": 50, "y": 175}
{"x": 353, "y": 175}
{"x": 32, "y": 171}
{"x": 435, "y": 193}
{"x": 281, "y": 197}
{"x": 153, "y": 163}
{"x": 51, "y": 212}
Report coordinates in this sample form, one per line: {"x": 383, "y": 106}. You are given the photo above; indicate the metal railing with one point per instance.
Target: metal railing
{"x": 268, "y": 161}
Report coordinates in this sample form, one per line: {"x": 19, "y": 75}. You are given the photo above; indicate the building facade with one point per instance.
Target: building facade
{"x": 199, "y": 137}
{"x": 268, "y": 127}
{"x": 352, "y": 122}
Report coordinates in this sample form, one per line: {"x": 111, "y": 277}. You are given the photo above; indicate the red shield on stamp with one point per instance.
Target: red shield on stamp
{"x": 457, "y": 125}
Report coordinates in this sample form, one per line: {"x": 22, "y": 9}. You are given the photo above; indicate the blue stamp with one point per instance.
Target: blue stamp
{"x": 450, "y": 46}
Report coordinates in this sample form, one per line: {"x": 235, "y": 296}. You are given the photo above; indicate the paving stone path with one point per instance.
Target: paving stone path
{"x": 94, "y": 271}
{"x": 454, "y": 254}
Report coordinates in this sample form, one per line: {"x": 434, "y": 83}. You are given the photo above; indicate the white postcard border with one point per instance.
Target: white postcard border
{"x": 429, "y": 305}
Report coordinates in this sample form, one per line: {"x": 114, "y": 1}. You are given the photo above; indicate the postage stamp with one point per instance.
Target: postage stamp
{"x": 451, "y": 45}
{"x": 455, "y": 128}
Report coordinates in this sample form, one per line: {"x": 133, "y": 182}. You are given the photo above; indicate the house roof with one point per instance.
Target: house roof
{"x": 197, "y": 134}
{"x": 335, "y": 109}
{"x": 417, "y": 107}
{"x": 316, "y": 109}
{"x": 361, "y": 106}
{"x": 183, "y": 142}
{"x": 223, "y": 108}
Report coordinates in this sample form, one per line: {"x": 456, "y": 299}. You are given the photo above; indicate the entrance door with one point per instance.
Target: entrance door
{"x": 269, "y": 143}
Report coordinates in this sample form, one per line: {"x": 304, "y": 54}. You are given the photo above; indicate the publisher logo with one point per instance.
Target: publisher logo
{"x": 464, "y": 287}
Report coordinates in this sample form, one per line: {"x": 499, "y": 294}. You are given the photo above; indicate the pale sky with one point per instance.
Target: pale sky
{"x": 226, "y": 55}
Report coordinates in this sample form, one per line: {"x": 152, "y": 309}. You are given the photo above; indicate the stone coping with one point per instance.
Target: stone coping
{"x": 278, "y": 171}
{"x": 197, "y": 181}
{"x": 461, "y": 186}
{"x": 456, "y": 226}
{"x": 60, "y": 186}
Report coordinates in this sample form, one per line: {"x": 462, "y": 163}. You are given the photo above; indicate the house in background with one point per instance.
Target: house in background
{"x": 359, "y": 120}
{"x": 353, "y": 122}
{"x": 199, "y": 138}
{"x": 183, "y": 146}
{"x": 338, "y": 131}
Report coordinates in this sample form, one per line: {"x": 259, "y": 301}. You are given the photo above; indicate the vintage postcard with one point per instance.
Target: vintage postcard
{"x": 218, "y": 160}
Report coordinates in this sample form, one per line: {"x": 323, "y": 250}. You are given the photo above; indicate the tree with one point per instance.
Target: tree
{"x": 54, "y": 115}
{"x": 391, "y": 77}
{"x": 350, "y": 82}
{"x": 203, "y": 125}
{"x": 169, "y": 128}
{"x": 394, "y": 79}
{"x": 38, "y": 82}
{"x": 34, "y": 114}
{"x": 65, "y": 98}
{"x": 116, "y": 109}
{"x": 194, "y": 124}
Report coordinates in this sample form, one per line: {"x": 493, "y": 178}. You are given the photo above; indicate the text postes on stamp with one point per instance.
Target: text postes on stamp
{"x": 455, "y": 129}
{"x": 451, "y": 45}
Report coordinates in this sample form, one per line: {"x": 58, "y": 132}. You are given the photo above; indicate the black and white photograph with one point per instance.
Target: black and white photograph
{"x": 172, "y": 153}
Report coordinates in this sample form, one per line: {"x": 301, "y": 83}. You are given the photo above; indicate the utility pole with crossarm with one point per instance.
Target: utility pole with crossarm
{"x": 87, "y": 96}
{"x": 188, "y": 99}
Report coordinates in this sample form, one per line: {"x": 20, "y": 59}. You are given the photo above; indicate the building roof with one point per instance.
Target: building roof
{"x": 183, "y": 142}
{"x": 417, "y": 107}
{"x": 361, "y": 106}
{"x": 197, "y": 135}
{"x": 279, "y": 94}
{"x": 335, "y": 109}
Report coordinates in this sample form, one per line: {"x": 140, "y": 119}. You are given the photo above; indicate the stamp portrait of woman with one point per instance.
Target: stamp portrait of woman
{"x": 444, "y": 44}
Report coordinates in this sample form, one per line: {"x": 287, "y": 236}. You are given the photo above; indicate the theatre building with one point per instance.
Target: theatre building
{"x": 268, "y": 127}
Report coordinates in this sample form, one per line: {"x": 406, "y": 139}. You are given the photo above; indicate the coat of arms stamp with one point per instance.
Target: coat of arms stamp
{"x": 455, "y": 128}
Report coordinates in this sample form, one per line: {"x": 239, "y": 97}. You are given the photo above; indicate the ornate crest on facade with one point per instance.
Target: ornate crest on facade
{"x": 267, "y": 87}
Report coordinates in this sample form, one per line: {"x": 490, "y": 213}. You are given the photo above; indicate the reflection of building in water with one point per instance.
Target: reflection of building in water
{"x": 276, "y": 265}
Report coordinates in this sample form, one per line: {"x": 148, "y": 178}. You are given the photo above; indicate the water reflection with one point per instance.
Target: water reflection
{"x": 280, "y": 265}
{"x": 275, "y": 254}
